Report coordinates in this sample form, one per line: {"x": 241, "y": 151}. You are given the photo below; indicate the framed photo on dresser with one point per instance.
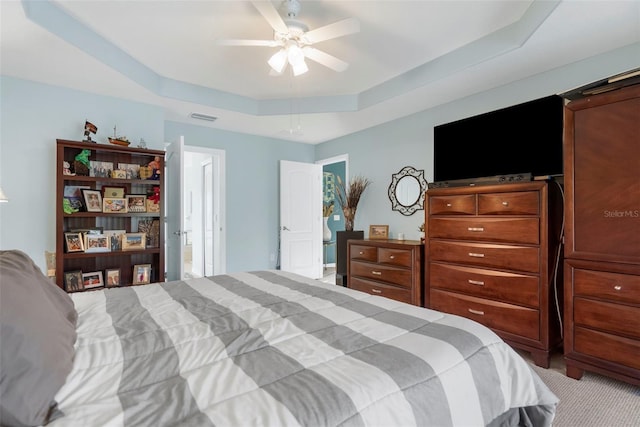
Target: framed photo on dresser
{"x": 379, "y": 232}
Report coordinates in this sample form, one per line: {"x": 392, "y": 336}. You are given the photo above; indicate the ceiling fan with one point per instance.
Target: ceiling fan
{"x": 295, "y": 40}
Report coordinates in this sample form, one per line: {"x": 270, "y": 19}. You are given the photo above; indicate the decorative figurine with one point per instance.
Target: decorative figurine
{"x": 67, "y": 208}
{"x": 66, "y": 168}
{"x": 89, "y": 128}
{"x": 119, "y": 140}
{"x": 142, "y": 144}
{"x": 81, "y": 164}
{"x": 155, "y": 167}
{"x": 153, "y": 200}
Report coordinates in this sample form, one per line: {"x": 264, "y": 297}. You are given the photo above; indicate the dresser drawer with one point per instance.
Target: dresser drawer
{"x": 507, "y": 287}
{"x": 607, "y": 347}
{"x": 397, "y": 276}
{"x": 521, "y": 203}
{"x": 615, "y": 318}
{"x": 624, "y": 288}
{"x": 364, "y": 253}
{"x": 396, "y": 257}
{"x": 453, "y": 205}
{"x": 375, "y": 288}
{"x": 510, "y": 318}
{"x": 508, "y": 230}
{"x": 507, "y": 257}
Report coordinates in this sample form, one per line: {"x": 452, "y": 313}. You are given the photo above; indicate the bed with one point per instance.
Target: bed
{"x": 261, "y": 348}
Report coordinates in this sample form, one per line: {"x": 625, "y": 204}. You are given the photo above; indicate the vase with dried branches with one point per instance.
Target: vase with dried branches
{"x": 349, "y": 197}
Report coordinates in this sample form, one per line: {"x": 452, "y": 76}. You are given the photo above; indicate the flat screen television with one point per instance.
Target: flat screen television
{"x": 521, "y": 139}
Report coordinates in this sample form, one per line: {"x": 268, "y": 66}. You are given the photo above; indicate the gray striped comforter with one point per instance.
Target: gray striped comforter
{"x": 271, "y": 348}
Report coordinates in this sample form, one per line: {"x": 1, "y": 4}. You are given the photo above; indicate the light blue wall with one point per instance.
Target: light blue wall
{"x": 379, "y": 152}
{"x": 33, "y": 115}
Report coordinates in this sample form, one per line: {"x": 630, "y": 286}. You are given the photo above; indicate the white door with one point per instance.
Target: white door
{"x": 174, "y": 206}
{"x": 301, "y": 218}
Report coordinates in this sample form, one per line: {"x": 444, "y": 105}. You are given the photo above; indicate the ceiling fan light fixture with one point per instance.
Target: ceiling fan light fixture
{"x": 295, "y": 55}
{"x": 278, "y": 61}
{"x": 300, "y": 67}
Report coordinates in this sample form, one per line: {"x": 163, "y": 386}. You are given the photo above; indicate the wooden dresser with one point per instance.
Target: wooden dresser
{"x": 602, "y": 253}
{"x": 492, "y": 255}
{"x": 389, "y": 268}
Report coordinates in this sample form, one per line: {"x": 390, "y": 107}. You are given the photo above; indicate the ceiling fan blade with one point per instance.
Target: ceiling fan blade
{"x": 331, "y": 31}
{"x": 236, "y": 42}
{"x": 325, "y": 59}
{"x": 270, "y": 13}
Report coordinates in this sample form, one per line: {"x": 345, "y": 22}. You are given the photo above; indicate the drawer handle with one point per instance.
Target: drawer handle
{"x": 449, "y": 205}
{"x": 377, "y": 273}
{"x": 475, "y": 228}
{"x": 476, "y": 282}
{"x": 361, "y": 253}
{"x": 376, "y": 291}
{"x": 617, "y": 287}
{"x": 476, "y": 255}
{"x": 481, "y": 313}
{"x": 505, "y": 203}
{"x": 392, "y": 257}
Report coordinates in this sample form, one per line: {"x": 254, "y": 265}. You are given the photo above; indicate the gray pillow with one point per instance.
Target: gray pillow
{"x": 38, "y": 330}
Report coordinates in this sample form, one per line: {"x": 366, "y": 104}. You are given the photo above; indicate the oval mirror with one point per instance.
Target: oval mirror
{"x": 406, "y": 191}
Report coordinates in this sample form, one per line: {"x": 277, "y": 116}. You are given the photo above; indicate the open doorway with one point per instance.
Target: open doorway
{"x": 203, "y": 199}
{"x": 333, "y": 220}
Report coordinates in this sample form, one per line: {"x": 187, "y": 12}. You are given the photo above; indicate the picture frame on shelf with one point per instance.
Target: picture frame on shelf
{"x": 380, "y": 232}
{"x": 92, "y": 200}
{"x": 73, "y": 193}
{"x": 132, "y": 170}
{"x": 136, "y": 203}
{"x": 112, "y": 277}
{"x": 96, "y": 243}
{"x": 92, "y": 280}
{"x": 141, "y": 274}
{"x": 133, "y": 241}
{"x": 152, "y": 207}
{"x": 114, "y": 191}
{"x": 151, "y": 227}
{"x": 114, "y": 205}
{"x": 115, "y": 239}
{"x": 73, "y": 281}
{"x": 100, "y": 169}
{"x": 73, "y": 242}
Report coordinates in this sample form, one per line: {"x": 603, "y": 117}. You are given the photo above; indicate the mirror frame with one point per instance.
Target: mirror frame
{"x": 406, "y": 171}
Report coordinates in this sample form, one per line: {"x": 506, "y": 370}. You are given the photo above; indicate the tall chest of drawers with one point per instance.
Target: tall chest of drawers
{"x": 602, "y": 252}
{"x": 389, "y": 268}
{"x": 492, "y": 255}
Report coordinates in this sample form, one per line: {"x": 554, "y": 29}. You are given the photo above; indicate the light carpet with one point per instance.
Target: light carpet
{"x": 593, "y": 401}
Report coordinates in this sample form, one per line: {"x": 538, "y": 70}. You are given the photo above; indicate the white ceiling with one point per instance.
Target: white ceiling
{"x": 407, "y": 57}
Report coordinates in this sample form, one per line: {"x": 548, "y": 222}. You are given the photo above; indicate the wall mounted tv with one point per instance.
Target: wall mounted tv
{"x": 521, "y": 139}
